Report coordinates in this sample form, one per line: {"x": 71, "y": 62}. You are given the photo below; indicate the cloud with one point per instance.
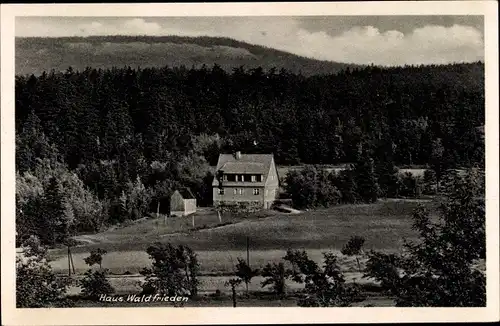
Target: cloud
{"x": 135, "y": 26}
{"x": 359, "y": 44}
{"x": 366, "y": 44}
{"x": 141, "y": 26}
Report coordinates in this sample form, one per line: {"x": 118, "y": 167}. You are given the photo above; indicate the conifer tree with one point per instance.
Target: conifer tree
{"x": 387, "y": 172}
{"x": 366, "y": 180}
{"x": 33, "y": 144}
{"x": 56, "y": 220}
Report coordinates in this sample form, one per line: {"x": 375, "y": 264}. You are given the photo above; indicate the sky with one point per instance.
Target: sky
{"x": 381, "y": 40}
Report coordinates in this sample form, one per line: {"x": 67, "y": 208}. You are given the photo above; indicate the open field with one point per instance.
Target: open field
{"x": 149, "y": 229}
{"x": 212, "y": 262}
{"x": 384, "y": 225}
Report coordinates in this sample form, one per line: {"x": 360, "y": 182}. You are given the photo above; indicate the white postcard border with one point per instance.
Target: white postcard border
{"x": 165, "y": 315}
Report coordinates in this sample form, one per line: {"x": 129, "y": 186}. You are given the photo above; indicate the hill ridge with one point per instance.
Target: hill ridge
{"x": 37, "y": 54}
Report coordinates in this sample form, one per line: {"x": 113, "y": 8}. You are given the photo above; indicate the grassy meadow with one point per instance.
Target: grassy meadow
{"x": 384, "y": 225}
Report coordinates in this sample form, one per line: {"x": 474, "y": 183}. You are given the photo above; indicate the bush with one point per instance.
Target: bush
{"x": 354, "y": 247}
{"x": 95, "y": 257}
{"x": 323, "y": 287}
{"x": 410, "y": 186}
{"x": 312, "y": 187}
{"x": 95, "y": 283}
{"x": 174, "y": 270}
{"x": 429, "y": 182}
{"x": 275, "y": 275}
{"x": 36, "y": 284}
{"x": 346, "y": 183}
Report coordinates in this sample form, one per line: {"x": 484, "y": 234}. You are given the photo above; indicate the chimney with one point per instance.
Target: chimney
{"x": 237, "y": 155}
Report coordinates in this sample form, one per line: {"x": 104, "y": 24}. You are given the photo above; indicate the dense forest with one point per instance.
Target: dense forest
{"x": 102, "y": 145}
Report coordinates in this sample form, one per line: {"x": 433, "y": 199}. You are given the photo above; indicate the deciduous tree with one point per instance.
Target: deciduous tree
{"x": 324, "y": 287}
{"x": 440, "y": 269}
{"x": 245, "y": 272}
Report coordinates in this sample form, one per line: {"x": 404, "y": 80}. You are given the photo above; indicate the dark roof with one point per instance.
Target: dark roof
{"x": 186, "y": 193}
{"x": 247, "y": 163}
{"x": 243, "y": 167}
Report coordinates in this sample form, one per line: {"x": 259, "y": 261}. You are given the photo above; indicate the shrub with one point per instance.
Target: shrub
{"x": 410, "y": 186}
{"x": 324, "y": 287}
{"x": 429, "y": 182}
{"x": 354, "y": 247}
{"x": 95, "y": 283}
{"x": 95, "y": 257}
{"x": 233, "y": 283}
{"x": 36, "y": 284}
{"x": 312, "y": 187}
{"x": 275, "y": 275}
{"x": 174, "y": 270}
{"x": 346, "y": 183}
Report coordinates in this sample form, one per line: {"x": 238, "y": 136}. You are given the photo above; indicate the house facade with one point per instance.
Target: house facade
{"x": 182, "y": 203}
{"x": 245, "y": 179}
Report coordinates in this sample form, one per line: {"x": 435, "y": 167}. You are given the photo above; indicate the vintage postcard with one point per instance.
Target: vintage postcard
{"x": 224, "y": 163}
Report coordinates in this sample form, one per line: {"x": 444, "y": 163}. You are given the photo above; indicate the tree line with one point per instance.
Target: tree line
{"x": 440, "y": 269}
{"x": 364, "y": 181}
{"x": 150, "y": 113}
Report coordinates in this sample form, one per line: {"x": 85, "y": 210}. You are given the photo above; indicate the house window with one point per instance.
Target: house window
{"x": 236, "y": 176}
{"x": 242, "y": 178}
{"x": 235, "y": 191}
{"x": 254, "y": 178}
{"x": 241, "y": 191}
{"x": 272, "y": 177}
{"x": 224, "y": 177}
{"x": 221, "y": 191}
{"x": 256, "y": 191}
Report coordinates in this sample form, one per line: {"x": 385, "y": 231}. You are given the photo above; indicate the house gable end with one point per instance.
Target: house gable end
{"x": 272, "y": 175}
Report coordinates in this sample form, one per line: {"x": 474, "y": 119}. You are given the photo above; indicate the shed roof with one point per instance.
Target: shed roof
{"x": 186, "y": 193}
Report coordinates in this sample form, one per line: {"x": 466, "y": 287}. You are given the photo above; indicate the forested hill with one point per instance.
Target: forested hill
{"x": 35, "y": 55}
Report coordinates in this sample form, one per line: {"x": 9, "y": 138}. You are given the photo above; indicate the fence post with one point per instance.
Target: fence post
{"x": 69, "y": 263}
{"x": 248, "y": 251}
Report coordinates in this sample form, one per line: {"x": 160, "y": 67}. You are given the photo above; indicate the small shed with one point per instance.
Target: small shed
{"x": 182, "y": 203}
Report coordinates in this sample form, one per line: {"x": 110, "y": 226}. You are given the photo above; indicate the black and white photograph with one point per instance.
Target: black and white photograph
{"x": 322, "y": 160}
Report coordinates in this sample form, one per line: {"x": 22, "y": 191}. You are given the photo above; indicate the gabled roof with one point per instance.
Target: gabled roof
{"x": 243, "y": 167}
{"x": 186, "y": 193}
{"x": 247, "y": 163}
